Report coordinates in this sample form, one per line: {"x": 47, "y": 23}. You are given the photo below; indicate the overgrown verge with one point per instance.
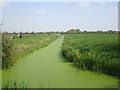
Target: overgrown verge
{"x": 29, "y": 43}
{"x": 17, "y": 48}
{"x": 95, "y": 52}
{"x": 6, "y": 51}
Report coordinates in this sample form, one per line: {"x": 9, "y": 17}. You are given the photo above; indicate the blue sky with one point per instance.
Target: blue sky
{"x": 59, "y": 16}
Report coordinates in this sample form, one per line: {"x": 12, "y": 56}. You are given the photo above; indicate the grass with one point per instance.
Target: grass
{"x": 95, "y": 52}
{"x": 22, "y": 47}
{"x": 15, "y": 85}
{"x": 29, "y": 43}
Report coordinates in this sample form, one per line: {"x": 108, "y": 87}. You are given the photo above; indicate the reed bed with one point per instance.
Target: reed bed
{"x": 95, "y": 52}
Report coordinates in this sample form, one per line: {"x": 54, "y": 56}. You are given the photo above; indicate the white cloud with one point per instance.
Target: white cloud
{"x": 40, "y": 11}
{"x": 57, "y": 17}
{"x": 114, "y": 9}
{"x": 103, "y": 3}
{"x": 4, "y": 4}
{"x": 66, "y": 0}
{"x": 28, "y": 17}
{"x": 83, "y": 4}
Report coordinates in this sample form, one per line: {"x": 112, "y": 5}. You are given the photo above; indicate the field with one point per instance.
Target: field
{"x": 21, "y": 47}
{"x": 95, "y": 52}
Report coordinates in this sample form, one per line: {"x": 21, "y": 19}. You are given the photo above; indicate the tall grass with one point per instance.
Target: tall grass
{"x": 15, "y": 85}
{"x": 95, "y": 52}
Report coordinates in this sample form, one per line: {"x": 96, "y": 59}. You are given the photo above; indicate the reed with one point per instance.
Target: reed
{"x": 95, "y": 52}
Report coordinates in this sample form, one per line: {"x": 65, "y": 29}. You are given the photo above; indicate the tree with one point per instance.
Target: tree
{"x": 98, "y": 31}
{"x": 33, "y": 33}
{"x": 14, "y": 32}
{"x": 77, "y": 30}
{"x": 110, "y": 31}
{"x": 71, "y": 31}
{"x": 26, "y": 32}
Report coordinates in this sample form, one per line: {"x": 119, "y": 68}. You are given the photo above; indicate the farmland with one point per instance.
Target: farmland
{"x": 95, "y": 52}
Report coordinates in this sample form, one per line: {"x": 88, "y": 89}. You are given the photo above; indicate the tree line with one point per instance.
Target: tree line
{"x": 71, "y": 31}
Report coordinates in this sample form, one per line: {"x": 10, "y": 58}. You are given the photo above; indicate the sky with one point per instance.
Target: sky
{"x": 59, "y": 16}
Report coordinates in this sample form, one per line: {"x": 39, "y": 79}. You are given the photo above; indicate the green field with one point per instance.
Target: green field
{"x": 95, "y": 52}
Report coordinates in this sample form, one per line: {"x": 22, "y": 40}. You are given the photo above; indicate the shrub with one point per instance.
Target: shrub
{"x": 6, "y": 51}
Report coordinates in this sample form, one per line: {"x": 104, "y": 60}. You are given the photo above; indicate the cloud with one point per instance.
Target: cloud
{"x": 57, "y": 17}
{"x": 114, "y": 9}
{"x": 66, "y": 0}
{"x": 103, "y": 3}
{"x": 4, "y": 4}
{"x": 83, "y": 4}
{"x": 40, "y": 11}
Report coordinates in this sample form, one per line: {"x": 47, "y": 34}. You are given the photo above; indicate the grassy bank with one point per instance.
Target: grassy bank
{"x": 29, "y": 43}
{"x": 22, "y": 47}
{"x": 95, "y": 52}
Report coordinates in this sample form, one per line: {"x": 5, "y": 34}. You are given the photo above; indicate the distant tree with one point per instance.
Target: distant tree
{"x": 110, "y": 31}
{"x": 48, "y": 33}
{"x": 77, "y": 30}
{"x": 33, "y": 33}
{"x": 62, "y": 32}
{"x": 99, "y": 31}
{"x": 14, "y": 32}
{"x": 57, "y": 32}
{"x": 71, "y": 31}
{"x": 26, "y": 32}
{"x": 114, "y": 31}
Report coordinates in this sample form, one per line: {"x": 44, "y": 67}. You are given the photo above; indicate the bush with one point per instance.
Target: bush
{"x": 6, "y": 51}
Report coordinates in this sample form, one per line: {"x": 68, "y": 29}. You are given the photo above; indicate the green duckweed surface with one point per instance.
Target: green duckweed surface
{"x": 45, "y": 68}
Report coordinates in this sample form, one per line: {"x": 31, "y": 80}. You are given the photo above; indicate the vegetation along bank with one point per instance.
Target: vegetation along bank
{"x": 95, "y": 52}
{"x": 17, "y": 47}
